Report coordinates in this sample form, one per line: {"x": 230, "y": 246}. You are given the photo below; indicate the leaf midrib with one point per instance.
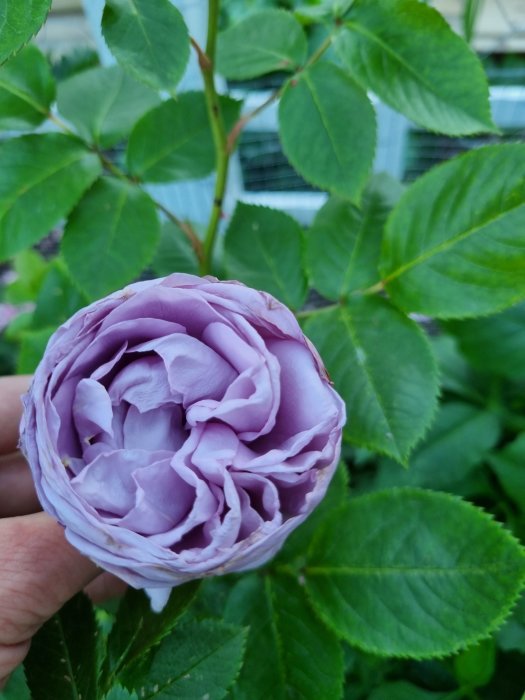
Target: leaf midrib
{"x": 366, "y": 218}
{"x": 142, "y": 28}
{"x": 373, "y": 38}
{"x": 25, "y": 97}
{"x": 274, "y": 624}
{"x": 254, "y": 50}
{"x": 449, "y": 243}
{"x": 106, "y": 107}
{"x": 27, "y": 187}
{"x": 188, "y": 669}
{"x": 325, "y": 123}
{"x": 347, "y": 321}
{"x": 172, "y": 149}
{"x": 437, "y": 571}
{"x": 70, "y": 671}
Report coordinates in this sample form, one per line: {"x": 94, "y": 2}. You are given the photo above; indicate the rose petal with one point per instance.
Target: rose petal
{"x": 162, "y": 500}
{"x": 107, "y": 483}
{"x": 158, "y": 429}
{"x": 92, "y": 410}
{"x": 194, "y": 370}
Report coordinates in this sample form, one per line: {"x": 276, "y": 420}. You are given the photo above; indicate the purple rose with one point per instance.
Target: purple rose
{"x": 180, "y": 428}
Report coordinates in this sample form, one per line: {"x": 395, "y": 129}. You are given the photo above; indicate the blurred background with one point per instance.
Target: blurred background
{"x": 260, "y": 173}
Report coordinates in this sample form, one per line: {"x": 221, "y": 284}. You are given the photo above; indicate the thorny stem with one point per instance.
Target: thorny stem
{"x": 241, "y": 123}
{"x": 207, "y": 63}
{"x": 225, "y": 143}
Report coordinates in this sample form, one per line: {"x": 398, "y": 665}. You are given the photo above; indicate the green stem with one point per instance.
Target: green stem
{"x": 207, "y": 63}
{"x": 374, "y": 289}
{"x": 241, "y": 123}
{"x": 60, "y": 124}
{"x": 323, "y": 46}
{"x": 224, "y": 143}
{"x": 307, "y": 313}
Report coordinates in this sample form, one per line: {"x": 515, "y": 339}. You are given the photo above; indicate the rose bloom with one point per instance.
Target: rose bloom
{"x": 181, "y": 428}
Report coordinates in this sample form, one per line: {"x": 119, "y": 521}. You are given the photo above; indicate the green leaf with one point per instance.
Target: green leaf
{"x": 58, "y": 298}
{"x": 414, "y": 573}
{"x": 211, "y": 598}
{"x": 344, "y": 242}
{"x": 110, "y": 237}
{"x": 175, "y": 252}
{"x": 103, "y": 104}
{"x": 455, "y": 244}
{"x": 456, "y": 375}
{"x": 298, "y": 542}
{"x": 137, "y": 630}
{"x": 27, "y": 90}
{"x": 62, "y": 660}
{"x": 458, "y": 441}
{"x": 407, "y": 54}
{"x": 16, "y": 688}
{"x": 120, "y": 693}
{"x": 382, "y": 366}
{"x": 30, "y": 268}
{"x": 18, "y": 326}
{"x": 148, "y": 39}
{"x": 19, "y": 21}
{"x": 43, "y": 176}
{"x": 511, "y": 637}
{"x": 263, "y": 247}
{"x": 475, "y": 667}
{"x": 201, "y": 659}
{"x": 402, "y": 690}
{"x": 263, "y": 42}
{"x": 508, "y": 464}
{"x": 302, "y": 658}
{"x": 327, "y": 128}
{"x": 32, "y": 347}
{"x": 495, "y": 344}
{"x": 174, "y": 141}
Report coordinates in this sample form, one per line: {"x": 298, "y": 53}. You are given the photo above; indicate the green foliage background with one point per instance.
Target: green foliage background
{"x": 406, "y": 581}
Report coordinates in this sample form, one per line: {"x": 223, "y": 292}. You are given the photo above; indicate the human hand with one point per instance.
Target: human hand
{"x": 39, "y": 569}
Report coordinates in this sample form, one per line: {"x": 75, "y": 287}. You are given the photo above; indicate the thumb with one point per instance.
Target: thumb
{"x": 39, "y": 572}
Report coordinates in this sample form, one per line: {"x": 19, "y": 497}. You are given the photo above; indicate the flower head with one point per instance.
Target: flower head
{"x": 179, "y": 428}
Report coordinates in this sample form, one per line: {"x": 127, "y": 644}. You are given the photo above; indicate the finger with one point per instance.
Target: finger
{"x": 105, "y": 587}
{"x": 11, "y": 390}
{"x": 17, "y": 491}
{"x": 11, "y": 657}
{"x": 39, "y": 572}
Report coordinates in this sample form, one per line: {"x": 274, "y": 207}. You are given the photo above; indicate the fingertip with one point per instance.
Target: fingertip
{"x": 40, "y": 572}
{"x": 11, "y": 390}
{"x": 17, "y": 491}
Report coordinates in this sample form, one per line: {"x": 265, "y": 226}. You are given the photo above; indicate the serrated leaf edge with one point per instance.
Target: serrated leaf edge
{"x": 489, "y": 125}
{"x": 31, "y": 36}
{"x": 333, "y": 189}
{"x": 460, "y": 646}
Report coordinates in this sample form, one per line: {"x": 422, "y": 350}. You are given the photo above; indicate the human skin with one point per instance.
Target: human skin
{"x": 39, "y": 570}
